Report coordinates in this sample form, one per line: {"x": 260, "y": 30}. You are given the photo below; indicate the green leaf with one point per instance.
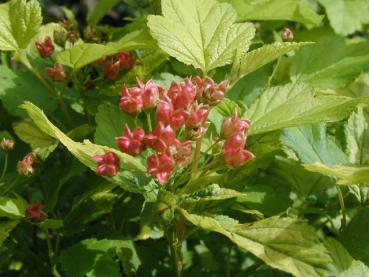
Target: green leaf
{"x": 83, "y": 54}
{"x": 132, "y": 176}
{"x": 223, "y": 110}
{"x": 255, "y": 59}
{"x": 18, "y": 86}
{"x": 345, "y": 174}
{"x": 292, "y": 10}
{"x": 355, "y": 237}
{"x": 346, "y": 266}
{"x": 346, "y": 16}
{"x": 12, "y": 208}
{"x": 212, "y": 193}
{"x": 312, "y": 144}
{"x": 110, "y": 121}
{"x": 287, "y": 244}
{"x": 52, "y": 224}
{"x": 330, "y": 63}
{"x": 96, "y": 258}
{"x": 5, "y": 228}
{"x": 295, "y": 104}
{"x": 202, "y": 33}
{"x": 42, "y": 144}
{"x": 357, "y": 134}
{"x": 101, "y": 8}
{"x": 20, "y": 21}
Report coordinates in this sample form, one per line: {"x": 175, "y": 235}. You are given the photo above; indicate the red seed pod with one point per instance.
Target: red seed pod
{"x": 160, "y": 166}
{"x": 236, "y": 157}
{"x": 27, "y": 166}
{"x": 198, "y": 116}
{"x": 35, "y": 213}
{"x": 132, "y": 142}
{"x": 111, "y": 70}
{"x": 57, "y": 73}
{"x": 237, "y": 140}
{"x": 213, "y": 93}
{"x": 46, "y": 48}
{"x": 164, "y": 112}
{"x": 161, "y": 138}
{"x": 108, "y": 164}
{"x": 126, "y": 60}
{"x": 234, "y": 125}
{"x": 131, "y": 100}
{"x": 150, "y": 95}
{"x": 182, "y": 95}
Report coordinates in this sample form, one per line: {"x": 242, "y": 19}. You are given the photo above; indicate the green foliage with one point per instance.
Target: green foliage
{"x": 294, "y": 10}
{"x": 101, "y": 8}
{"x": 200, "y": 33}
{"x": 346, "y": 16}
{"x": 19, "y": 23}
{"x": 12, "y": 208}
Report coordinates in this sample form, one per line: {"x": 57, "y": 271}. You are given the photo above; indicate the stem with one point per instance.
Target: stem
{"x": 54, "y": 94}
{"x": 5, "y": 166}
{"x": 51, "y": 254}
{"x": 177, "y": 266}
{"x": 148, "y": 116}
{"x": 343, "y": 208}
{"x": 196, "y": 157}
{"x": 273, "y": 73}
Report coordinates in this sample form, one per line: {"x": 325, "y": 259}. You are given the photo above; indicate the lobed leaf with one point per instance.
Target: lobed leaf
{"x": 202, "y": 33}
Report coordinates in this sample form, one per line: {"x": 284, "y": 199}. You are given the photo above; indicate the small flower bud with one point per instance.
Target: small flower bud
{"x": 161, "y": 138}
{"x": 236, "y": 157}
{"x": 108, "y": 164}
{"x": 35, "y": 213}
{"x": 27, "y": 166}
{"x": 132, "y": 142}
{"x": 287, "y": 34}
{"x": 57, "y": 73}
{"x": 126, "y": 60}
{"x": 160, "y": 167}
{"x": 150, "y": 95}
{"x": 46, "y": 48}
{"x": 131, "y": 100}
{"x": 111, "y": 70}
{"x": 237, "y": 140}
{"x": 234, "y": 125}
{"x": 182, "y": 95}
{"x": 183, "y": 154}
{"x": 198, "y": 116}
{"x": 7, "y": 144}
{"x": 73, "y": 37}
{"x": 60, "y": 37}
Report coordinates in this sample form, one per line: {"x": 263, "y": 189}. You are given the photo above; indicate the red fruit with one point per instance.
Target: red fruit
{"x": 237, "y": 141}
{"x": 178, "y": 118}
{"x": 111, "y": 70}
{"x": 126, "y": 60}
{"x": 160, "y": 167}
{"x": 108, "y": 164}
{"x": 131, "y": 100}
{"x": 234, "y": 125}
{"x": 236, "y": 157}
{"x": 132, "y": 142}
{"x": 182, "y": 95}
{"x": 150, "y": 95}
{"x": 57, "y": 73}
{"x": 197, "y": 116}
{"x": 164, "y": 112}
{"x": 161, "y": 138}
{"x": 35, "y": 213}
{"x": 46, "y": 48}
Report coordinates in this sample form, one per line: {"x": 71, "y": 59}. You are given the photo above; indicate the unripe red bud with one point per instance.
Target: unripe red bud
{"x": 27, "y": 166}
{"x": 35, "y": 213}
{"x": 182, "y": 95}
{"x": 161, "y": 138}
{"x": 164, "y": 112}
{"x": 108, "y": 164}
{"x": 57, "y": 73}
{"x": 46, "y": 48}
{"x": 111, "y": 70}
{"x": 7, "y": 144}
{"x": 150, "y": 95}
{"x": 126, "y": 60}
{"x": 198, "y": 116}
{"x": 236, "y": 157}
{"x": 132, "y": 142}
{"x": 237, "y": 140}
{"x": 234, "y": 125}
{"x": 160, "y": 167}
{"x": 131, "y": 100}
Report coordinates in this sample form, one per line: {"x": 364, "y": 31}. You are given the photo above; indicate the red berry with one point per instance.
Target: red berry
{"x": 46, "y": 48}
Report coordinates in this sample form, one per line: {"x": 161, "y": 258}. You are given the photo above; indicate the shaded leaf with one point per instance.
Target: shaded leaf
{"x": 12, "y": 208}
{"x": 5, "y": 228}
{"x": 101, "y": 8}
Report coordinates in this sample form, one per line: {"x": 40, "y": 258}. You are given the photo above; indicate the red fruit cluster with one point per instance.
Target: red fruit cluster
{"x": 108, "y": 164}
{"x": 116, "y": 63}
{"x": 35, "y": 213}
{"x": 46, "y": 48}
{"x": 234, "y": 132}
